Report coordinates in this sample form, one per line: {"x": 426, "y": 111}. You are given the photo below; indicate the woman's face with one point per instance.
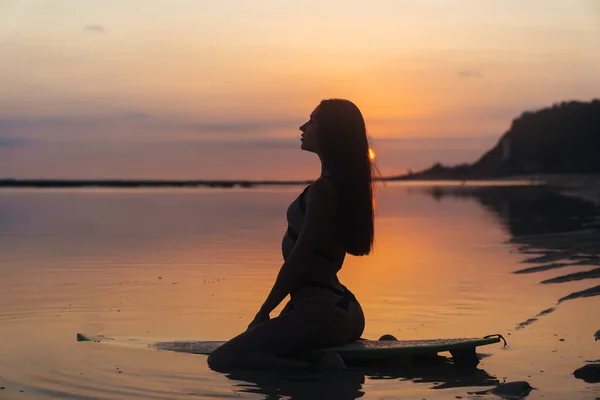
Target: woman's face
{"x": 310, "y": 132}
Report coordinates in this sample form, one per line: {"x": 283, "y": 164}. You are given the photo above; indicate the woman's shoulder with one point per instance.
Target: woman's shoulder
{"x": 323, "y": 189}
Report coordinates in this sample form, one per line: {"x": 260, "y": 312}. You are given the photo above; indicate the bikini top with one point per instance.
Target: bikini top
{"x": 293, "y": 234}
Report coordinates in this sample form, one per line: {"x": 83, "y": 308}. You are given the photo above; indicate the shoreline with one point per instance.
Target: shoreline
{"x": 135, "y": 183}
{"x": 584, "y": 186}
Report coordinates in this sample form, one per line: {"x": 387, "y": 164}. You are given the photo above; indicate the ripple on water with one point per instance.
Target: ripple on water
{"x": 126, "y": 264}
{"x": 87, "y": 370}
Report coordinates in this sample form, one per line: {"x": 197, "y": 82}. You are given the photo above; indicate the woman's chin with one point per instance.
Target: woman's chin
{"x": 306, "y": 148}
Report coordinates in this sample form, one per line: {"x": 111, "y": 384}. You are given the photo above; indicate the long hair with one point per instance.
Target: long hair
{"x": 345, "y": 154}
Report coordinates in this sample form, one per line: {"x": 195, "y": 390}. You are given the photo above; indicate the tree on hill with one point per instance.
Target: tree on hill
{"x": 564, "y": 138}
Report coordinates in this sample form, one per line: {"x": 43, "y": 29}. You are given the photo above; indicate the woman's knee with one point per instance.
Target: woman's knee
{"x": 358, "y": 322}
{"x": 213, "y": 359}
{"x": 220, "y": 358}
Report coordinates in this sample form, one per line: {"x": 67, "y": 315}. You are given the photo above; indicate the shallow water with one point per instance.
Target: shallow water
{"x": 151, "y": 265}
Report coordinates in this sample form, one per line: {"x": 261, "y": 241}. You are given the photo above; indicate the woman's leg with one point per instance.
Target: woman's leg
{"x": 267, "y": 344}
{"x": 358, "y": 320}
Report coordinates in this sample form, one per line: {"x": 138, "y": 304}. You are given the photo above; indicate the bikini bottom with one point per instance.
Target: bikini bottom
{"x": 347, "y": 296}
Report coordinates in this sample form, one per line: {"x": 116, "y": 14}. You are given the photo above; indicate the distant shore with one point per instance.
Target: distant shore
{"x": 586, "y": 186}
{"x": 154, "y": 183}
{"x": 126, "y": 183}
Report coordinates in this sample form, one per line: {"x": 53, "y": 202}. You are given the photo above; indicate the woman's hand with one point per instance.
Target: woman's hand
{"x": 260, "y": 317}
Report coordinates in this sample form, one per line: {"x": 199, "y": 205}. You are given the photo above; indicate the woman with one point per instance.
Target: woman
{"x": 333, "y": 216}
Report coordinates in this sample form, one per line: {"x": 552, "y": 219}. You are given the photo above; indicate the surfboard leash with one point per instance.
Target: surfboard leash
{"x": 499, "y": 336}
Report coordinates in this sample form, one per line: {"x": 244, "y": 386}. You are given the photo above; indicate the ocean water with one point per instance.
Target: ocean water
{"x": 153, "y": 265}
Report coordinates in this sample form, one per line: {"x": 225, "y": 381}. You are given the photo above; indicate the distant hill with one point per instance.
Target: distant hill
{"x": 564, "y": 138}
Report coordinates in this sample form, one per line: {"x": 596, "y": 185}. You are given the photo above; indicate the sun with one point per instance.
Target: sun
{"x": 371, "y": 154}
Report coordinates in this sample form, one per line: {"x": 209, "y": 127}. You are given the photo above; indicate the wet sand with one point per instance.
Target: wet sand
{"x": 585, "y": 186}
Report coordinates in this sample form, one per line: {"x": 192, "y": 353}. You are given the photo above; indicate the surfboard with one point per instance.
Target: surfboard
{"x": 362, "y": 350}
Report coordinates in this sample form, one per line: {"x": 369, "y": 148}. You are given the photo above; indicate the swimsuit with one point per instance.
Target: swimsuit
{"x": 299, "y": 205}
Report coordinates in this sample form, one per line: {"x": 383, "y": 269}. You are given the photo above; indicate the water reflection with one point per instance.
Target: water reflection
{"x": 194, "y": 265}
{"x": 527, "y": 211}
{"x": 555, "y": 230}
{"x": 440, "y": 373}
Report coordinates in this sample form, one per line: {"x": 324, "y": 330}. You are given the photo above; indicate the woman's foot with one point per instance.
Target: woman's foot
{"x": 331, "y": 361}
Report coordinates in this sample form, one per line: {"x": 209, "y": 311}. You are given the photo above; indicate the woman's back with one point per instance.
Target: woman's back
{"x": 328, "y": 257}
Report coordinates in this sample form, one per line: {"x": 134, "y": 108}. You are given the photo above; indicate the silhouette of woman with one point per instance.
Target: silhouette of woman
{"x": 331, "y": 217}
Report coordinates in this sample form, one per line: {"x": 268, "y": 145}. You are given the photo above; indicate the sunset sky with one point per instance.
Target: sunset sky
{"x": 184, "y": 89}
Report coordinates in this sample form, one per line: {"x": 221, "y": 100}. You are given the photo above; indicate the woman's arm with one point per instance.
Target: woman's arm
{"x": 320, "y": 212}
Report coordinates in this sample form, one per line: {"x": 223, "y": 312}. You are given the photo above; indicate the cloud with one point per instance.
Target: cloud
{"x": 139, "y": 125}
{"x": 470, "y": 74}
{"x": 9, "y": 141}
{"x": 458, "y": 114}
{"x": 12, "y": 123}
{"x": 134, "y": 115}
{"x": 9, "y": 124}
{"x": 241, "y": 126}
{"x": 94, "y": 28}
{"x": 442, "y": 142}
{"x": 174, "y": 158}
{"x": 273, "y": 143}
{"x": 231, "y": 125}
